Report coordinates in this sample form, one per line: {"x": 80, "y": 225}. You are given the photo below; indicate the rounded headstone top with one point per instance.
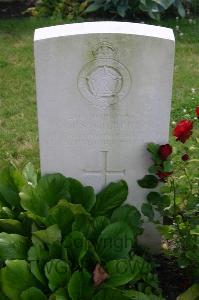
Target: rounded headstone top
{"x": 104, "y": 27}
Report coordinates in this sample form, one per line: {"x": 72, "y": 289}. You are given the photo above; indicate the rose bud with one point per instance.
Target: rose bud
{"x": 183, "y": 130}
{"x": 185, "y": 157}
{"x": 197, "y": 112}
{"x": 164, "y": 151}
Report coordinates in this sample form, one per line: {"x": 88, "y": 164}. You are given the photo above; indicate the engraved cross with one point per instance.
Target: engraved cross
{"x": 104, "y": 169}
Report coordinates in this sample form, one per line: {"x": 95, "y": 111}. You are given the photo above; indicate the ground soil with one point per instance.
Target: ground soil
{"x": 173, "y": 280}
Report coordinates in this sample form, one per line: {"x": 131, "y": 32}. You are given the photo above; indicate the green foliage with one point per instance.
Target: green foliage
{"x": 80, "y": 286}
{"x": 32, "y": 294}
{"x": 154, "y": 8}
{"x": 13, "y": 246}
{"x": 16, "y": 277}
{"x": 148, "y": 182}
{"x": 72, "y": 238}
{"x": 58, "y": 8}
{"x": 110, "y": 197}
{"x": 58, "y": 273}
{"x": 120, "y": 8}
{"x": 178, "y": 203}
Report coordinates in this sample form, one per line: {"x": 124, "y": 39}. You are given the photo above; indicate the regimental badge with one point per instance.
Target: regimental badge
{"x": 104, "y": 81}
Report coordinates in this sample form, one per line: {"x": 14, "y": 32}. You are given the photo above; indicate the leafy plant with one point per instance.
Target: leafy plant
{"x": 154, "y": 8}
{"x": 57, "y": 8}
{"x": 121, "y": 8}
{"x": 58, "y": 240}
{"x": 178, "y": 201}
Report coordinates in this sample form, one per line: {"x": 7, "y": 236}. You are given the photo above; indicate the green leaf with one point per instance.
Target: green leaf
{"x": 110, "y": 197}
{"x": 128, "y": 214}
{"x": 98, "y": 225}
{"x": 153, "y": 169}
{"x": 37, "y": 272}
{"x": 91, "y": 258}
{"x": 13, "y": 246}
{"x": 120, "y": 272}
{"x": 147, "y": 211}
{"x": 62, "y": 215}
{"x": 81, "y": 195}
{"x": 93, "y": 7}
{"x": 80, "y": 286}
{"x": 110, "y": 293}
{"x": 91, "y": 228}
{"x": 77, "y": 209}
{"x": 148, "y": 182}
{"x": 191, "y": 294}
{"x": 56, "y": 250}
{"x": 77, "y": 246}
{"x": 58, "y": 273}
{"x": 16, "y": 278}
{"x": 167, "y": 231}
{"x": 6, "y": 213}
{"x": 11, "y": 226}
{"x": 122, "y": 8}
{"x": 154, "y": 198}
{"x": 33, "y": 294}
{"x": 168, "y": 166}
{"x": 115, "y": 241}
{"x": 38, "y": 253}
{"x": 11, "y": 181}
{"x": 30, "y": 174}
{"x": 153, "y": 148}
{"x": 195, "y": 231}
{"x": 60, "y": 294}
{"x": 83, "y": 223}
{"x": 136, "y": 295}
{"x": 50, "y": 235}
{"x": 124, "y": 271}
{"x": 49, "y": 190}
{"x": 180, "y": 8}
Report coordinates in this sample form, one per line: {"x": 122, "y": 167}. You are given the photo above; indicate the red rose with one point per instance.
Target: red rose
{"x": 163, "y": 175}
{"x": 99, "y": 275}
{"x": 164, "y": 151}
{"x": 183, "y": 130}
{"x": 185, "y": 157}
{"x": 197, "y": 112}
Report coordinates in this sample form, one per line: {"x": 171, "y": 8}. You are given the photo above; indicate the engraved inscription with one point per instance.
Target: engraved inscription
{"x": 104, "y": 81}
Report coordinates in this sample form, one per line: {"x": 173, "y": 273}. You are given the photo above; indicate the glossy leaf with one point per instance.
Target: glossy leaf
{"x": 148, "y": 182}
{"x": 58, "y": 273}
{"x": 13, "y": 246}
{"x": 16, "y": 278}
{"x": 49, "y": 190}
{"x": 80, "y": 286}
{"x": 110, "y": 197}
{"x": 33, "y": 294}
{"x": 115, "y": 241}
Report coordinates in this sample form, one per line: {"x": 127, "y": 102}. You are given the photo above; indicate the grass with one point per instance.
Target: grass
{"x": 18, "y": 122}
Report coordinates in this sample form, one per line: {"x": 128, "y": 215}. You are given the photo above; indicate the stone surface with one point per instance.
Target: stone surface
{"x": 103, "y": 91}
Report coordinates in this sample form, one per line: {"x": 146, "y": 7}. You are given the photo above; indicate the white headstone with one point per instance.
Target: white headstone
{"x": 103, "y": 91}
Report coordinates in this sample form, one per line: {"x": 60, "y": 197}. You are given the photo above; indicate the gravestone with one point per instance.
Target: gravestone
{"x": 103, "y": 92}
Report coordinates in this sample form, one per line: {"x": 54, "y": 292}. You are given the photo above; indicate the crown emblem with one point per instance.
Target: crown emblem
{"x": 104, "y": 50}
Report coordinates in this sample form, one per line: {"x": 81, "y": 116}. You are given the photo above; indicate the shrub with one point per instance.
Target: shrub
{"x": 178, "y": 201}
{"x": 154, "y": 8}
{"x": 58, "y": 240}
{"x": 109, "y": 8}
